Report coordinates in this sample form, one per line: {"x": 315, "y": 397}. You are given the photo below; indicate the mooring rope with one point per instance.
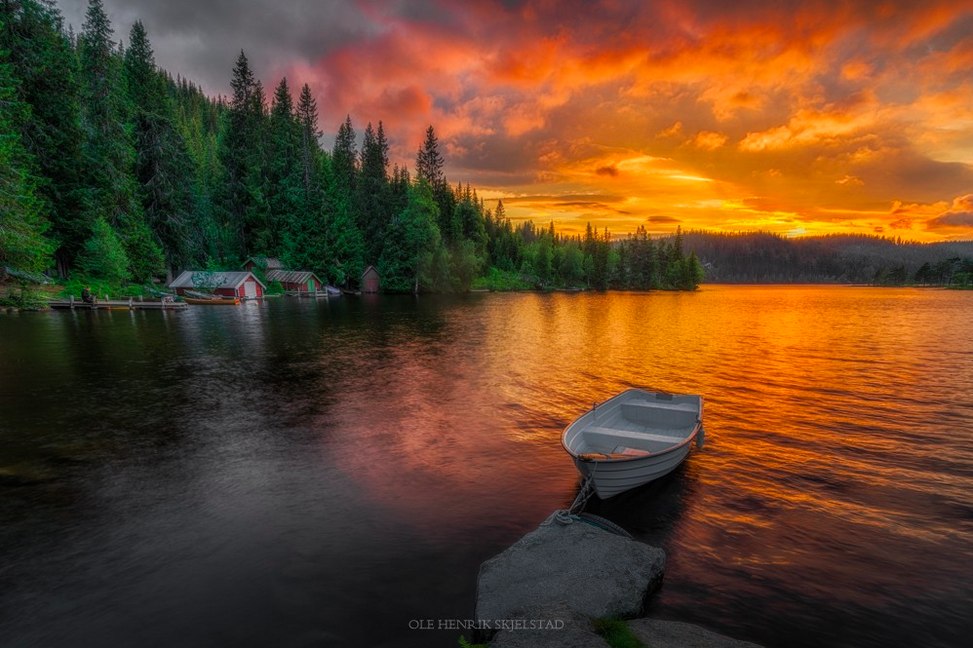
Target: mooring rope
{"x": 568, "y": 515}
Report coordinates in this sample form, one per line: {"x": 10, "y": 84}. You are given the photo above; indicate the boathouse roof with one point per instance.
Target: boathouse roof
{"x": 215, "y": 279}
{"x": 292, "y": 276}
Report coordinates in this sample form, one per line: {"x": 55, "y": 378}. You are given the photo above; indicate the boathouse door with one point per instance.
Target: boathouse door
{"x": 250, "y": 289}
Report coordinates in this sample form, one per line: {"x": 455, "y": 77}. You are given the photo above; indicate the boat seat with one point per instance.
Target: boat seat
{"x": 635, "y": 436}
{"x": 625, "y": 451}
{"x": 608, "y": 456}
{"x": 664, "y": 415}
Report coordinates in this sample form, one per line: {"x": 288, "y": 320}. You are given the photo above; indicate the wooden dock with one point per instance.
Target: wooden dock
{"x": 117, "y": 304}
{"x": 308, "y": 294}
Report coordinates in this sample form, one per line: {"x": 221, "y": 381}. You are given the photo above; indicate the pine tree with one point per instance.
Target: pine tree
{"x": 468, "y": 219}
{"x": 243, "y": 204}
{"x": 413, "y": 245}
{"x": 399, "y": 185}
{"x": 285, "y": 187}
{"x": 429, "y": 169}
{"x": 344, "y": 247}
{"x": 373, "y": 190}
{"x": 343, "y": 156}
{"x": 429, "y": 161}
{"x": 22, "y": 218}
{"x": 104, "y": 256}
{"x": 145, "y": 88}
{"x": 163, "y": 168}
{"x": 304, "y": 241}
{"x": 198, "y": 121}
{"x": 108, "y": 146}
{"x": 468, "y": 247}
{"x": 44, "y": 62}
{"x": 693, "y": 272}
{"x": 307, "y": 116}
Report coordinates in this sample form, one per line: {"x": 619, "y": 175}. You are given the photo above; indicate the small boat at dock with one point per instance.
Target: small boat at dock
{"x": 633, "y": 438}
{"x": 210, "y": 301}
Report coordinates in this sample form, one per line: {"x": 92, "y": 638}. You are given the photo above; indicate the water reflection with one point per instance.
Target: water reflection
{"x": 305, "y": 472}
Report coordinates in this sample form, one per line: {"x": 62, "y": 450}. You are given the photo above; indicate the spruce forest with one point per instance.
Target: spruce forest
{"x": 114, "y": 170}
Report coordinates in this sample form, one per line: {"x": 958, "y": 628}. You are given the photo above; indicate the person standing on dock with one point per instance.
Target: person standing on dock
{"x": 86, "y": 295}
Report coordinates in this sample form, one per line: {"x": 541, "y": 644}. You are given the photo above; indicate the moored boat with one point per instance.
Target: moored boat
{"x": 633, "y": 438}
{"x": 219, "y": 301}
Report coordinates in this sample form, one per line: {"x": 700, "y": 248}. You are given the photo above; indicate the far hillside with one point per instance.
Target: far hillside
{"x": 762, "y": 257}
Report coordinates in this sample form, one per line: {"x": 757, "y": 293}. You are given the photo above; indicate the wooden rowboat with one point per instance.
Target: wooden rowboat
{"x": 229, "y": 301}
{"x": 634, "y": 438}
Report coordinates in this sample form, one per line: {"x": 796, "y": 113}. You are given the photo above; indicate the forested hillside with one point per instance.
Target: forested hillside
{"x": 114, "y": 169}
{"x": 762, "y": 257}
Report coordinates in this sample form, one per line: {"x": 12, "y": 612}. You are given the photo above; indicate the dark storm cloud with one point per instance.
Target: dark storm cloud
{"x": 588, "y": 205}
{"x": 201, "y": 40}
{"x": 566, "y": 199}
{"x": 928, "y": 180}
{"x": 953, "y": 219}
{"x": 498, "y": 154}
{"x": 960, "y": 214}
{"x": 662, "y": 219}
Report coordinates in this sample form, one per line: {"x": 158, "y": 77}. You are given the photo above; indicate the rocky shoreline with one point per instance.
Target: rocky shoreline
{"x": 549, "y": 587}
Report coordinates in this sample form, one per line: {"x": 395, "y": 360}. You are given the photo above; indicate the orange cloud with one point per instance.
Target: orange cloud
{"x": 806, "y": 128}
{"x": 709, "y": 140}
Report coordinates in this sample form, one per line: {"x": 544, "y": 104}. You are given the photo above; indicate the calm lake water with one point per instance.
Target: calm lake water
{"x": 301, "y": 473}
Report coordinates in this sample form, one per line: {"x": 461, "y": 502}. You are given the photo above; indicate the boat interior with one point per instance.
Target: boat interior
{"x": 634, "y": 427}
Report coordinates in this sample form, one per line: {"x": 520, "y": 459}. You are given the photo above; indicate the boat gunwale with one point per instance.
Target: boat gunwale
{"x": 653, "y": 455}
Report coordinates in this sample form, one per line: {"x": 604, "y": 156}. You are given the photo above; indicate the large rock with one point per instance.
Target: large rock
{"x": 675, "y": 634}
{"x": 586, "y": 569}
{"x": 556, "y": 626}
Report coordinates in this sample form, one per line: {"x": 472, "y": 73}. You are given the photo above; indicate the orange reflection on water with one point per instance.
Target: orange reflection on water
{"x": 814, "y": 396}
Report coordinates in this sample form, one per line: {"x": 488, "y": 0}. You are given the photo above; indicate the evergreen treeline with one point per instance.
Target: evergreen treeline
{"x": 112, "y": 169}
{"x": 762, "y": 257}
{"x": 547, "y": 258}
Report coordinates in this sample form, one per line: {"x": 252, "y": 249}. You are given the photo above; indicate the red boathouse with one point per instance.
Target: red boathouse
{"x": 296, "y": 280}
{"x": 227, "y": 284}
{"x": 370, "y": 280}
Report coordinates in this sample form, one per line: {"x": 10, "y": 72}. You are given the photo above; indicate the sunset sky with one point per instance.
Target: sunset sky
{"x": 795, "y": 117}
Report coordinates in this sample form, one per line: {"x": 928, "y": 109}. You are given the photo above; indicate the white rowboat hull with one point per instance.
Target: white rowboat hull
{"x": 633, "y": 438}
